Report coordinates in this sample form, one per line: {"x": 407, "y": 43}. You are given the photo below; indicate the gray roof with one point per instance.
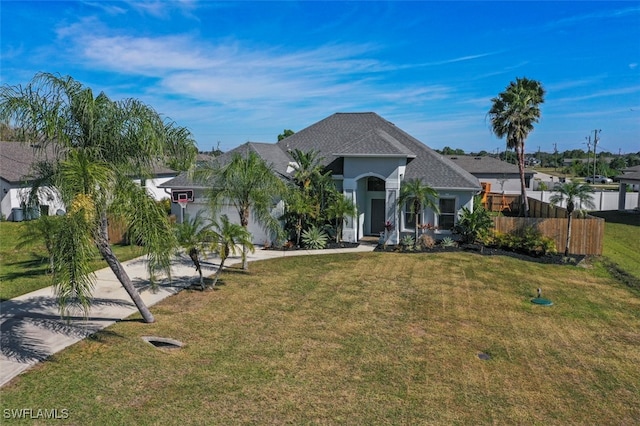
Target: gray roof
{"x": 486, "y": 165}
{"x": 363, "y": 133}
{"x": 17, "y": 159}
{"x": 355, "y": 134}
{"x": 271, "y": 153}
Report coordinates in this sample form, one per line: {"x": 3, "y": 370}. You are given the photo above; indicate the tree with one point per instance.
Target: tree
{"x": 226, "y": 237}
{"x": 512, "y": 114}
{"x": 572, "y": 192}
{"x": 250, "y": 185}
{"x": 99, "y": 144}
{"x": 340, "y": 209}
{"x": 195, "y": 236}
{"x": 418, "y": 197}
{"x": 284, "y": 134}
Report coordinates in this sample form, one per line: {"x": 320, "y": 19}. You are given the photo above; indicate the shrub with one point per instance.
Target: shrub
{"x": 473, "y": 225}
{"x": 314, "y": 238}
{"x": 528, "y": 240}
{"x": 426, "y": 241}
{"x": 448, "y": 242}
{"x": 408, "y": 242}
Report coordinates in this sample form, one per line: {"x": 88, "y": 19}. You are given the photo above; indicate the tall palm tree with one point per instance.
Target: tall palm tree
{"x": 418, "y": 197}
{"x": 512, "y": 114}
{"x": 250, "y": 185}
{"x": 572, "y": 192}
{"x": 99, "y": 144}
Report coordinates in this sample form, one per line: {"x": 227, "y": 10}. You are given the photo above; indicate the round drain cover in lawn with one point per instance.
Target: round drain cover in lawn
{"x": 163, "y": 342}
{"x": 541, "y": 301}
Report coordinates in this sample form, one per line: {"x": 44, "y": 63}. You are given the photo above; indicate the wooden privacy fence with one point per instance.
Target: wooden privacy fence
{"x": 587, "y": 235}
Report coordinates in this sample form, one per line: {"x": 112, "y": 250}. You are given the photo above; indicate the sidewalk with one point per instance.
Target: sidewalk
{"x": 31, "y": 328}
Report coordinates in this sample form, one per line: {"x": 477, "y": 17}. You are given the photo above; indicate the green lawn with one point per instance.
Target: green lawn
{"x": 23, "y": 270}
{"x": 373, "y": 338}
{"x": 622, "y": 240}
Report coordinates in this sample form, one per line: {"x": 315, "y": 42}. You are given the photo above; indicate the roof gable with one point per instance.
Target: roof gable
{"x": 344, "y": 134}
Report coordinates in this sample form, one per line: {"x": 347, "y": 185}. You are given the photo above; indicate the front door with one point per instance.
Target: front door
{"x": 377, "y": 216}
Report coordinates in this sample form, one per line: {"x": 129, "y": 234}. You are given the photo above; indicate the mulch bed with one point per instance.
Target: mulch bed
{"x": 551, "y": 259}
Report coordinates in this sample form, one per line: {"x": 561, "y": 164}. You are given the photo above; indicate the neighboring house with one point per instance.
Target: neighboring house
{"x": 16, "y": 167}
{"x": 630, "y": 176}
{"x": 369, "y": 158}
{"x": 502, "y": 177}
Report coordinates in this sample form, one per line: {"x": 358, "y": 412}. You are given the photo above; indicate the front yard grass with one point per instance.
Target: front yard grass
{"x": 25, "y": 270}
{"x": 375, "y": 338}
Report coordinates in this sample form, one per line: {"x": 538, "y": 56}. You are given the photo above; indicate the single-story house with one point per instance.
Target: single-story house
{"x": 630, "y": 176}
{"x": 369, "y": 158}
{"x": 502, "y": 177}
{"x": 16, "y": 167}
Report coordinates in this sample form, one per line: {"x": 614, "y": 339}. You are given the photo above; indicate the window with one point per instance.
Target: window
{"x": 375, "y": 184}
{"x": 410, "y": 218}
{"x": 447, "y": 216}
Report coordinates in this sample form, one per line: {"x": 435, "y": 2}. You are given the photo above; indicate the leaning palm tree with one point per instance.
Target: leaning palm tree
{"x": 226, "y": 237}
{"x": 250, "y": 185}
{"x": 572, "y": 192}
{"x": 99, "y": 145}
{"x": 417, "y": 197}
{"x": 512, "y": 114}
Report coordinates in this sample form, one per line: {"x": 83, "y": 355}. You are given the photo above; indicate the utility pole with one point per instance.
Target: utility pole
{"x": 595, "y": 143}
{"x": 555, "y": 152}
{"x": 588, "y": 138}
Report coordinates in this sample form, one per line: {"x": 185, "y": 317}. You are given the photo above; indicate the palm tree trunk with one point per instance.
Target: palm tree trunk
{"x": 244, "y": 221}
{"x": 102, "y": 242}
{"x": 523, "y": 187}
{"x": 218, "y": 273}
{"x": 566, "y": 250}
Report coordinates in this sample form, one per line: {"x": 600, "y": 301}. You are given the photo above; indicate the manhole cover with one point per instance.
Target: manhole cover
{"x": 163, "y": 342}
{"x": 483, "y": 356}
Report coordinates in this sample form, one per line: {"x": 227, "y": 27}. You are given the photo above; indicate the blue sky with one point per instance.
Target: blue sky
{"x": 244, "y": 71}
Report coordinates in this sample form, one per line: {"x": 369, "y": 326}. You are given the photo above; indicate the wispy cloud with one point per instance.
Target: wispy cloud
{"x": 606, "y": 14}
{"x": 601, "y": 94}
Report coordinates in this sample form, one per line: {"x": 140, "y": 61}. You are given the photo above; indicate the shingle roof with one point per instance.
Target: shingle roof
{"x": 17, "y": 158}
{"x": 485, "y": 164}
{"x": 364, "y": 133}
{"x": 271, "y": 153}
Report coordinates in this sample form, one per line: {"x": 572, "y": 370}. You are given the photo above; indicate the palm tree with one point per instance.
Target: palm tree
{"x": 340, "y": 209}
{"x": 226, "y": 236}
{"x": 571, "y": 192}
{"x": 512, "y": 114}
{"x": 99, "y": 144}
{"x": 195, "y": 236}
{"x": 250, "y": 185}
{"x": 418, "y": 197}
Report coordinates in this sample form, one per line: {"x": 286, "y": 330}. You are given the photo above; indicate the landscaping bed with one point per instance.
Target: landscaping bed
{"x": 549, "y": 259}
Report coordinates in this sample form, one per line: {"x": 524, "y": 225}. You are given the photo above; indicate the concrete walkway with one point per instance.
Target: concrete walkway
{"x": 31, "y": 327}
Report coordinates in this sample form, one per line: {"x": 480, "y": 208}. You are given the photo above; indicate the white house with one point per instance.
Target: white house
{"x": 369, "y": 158}
{"x": 17, "y": 162}
{"x": 503, "y": 177}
